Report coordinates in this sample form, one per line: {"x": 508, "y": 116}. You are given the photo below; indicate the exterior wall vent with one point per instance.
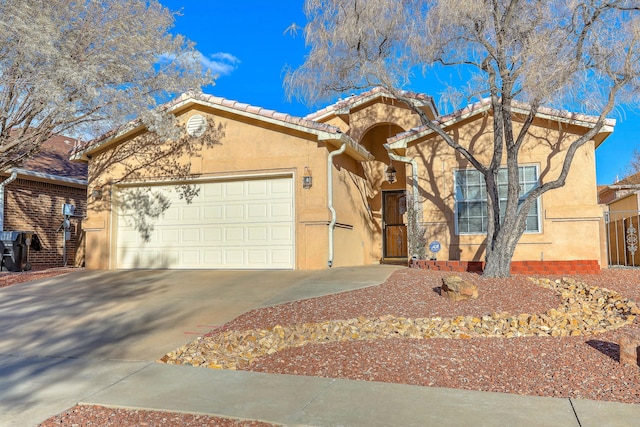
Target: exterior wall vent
{"x": 197, "y": 125}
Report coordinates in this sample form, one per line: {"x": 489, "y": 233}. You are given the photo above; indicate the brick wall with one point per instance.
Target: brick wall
{"x": 37, "y": 206}
{"x": 517, "y": 267}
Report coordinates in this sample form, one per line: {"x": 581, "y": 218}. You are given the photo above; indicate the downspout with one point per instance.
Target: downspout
{"x": 414, "y": 182}
{"x": 9, "y": 180}
{"x": 332, "y": 224}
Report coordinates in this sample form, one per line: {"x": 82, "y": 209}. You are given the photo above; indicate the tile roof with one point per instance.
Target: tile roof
{"x": 629, "y": 180}
{"x": 355, "y": 99}
{"x": 258, "y": 111}
{"x": 53, "y": 159}
{"x": 485, "y": 104}
{"x": 216, "y": 101}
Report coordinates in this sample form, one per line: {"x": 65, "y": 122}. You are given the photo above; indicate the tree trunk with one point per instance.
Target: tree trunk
{"x": 498, "y": 264}
{"x": 498, "y": 261}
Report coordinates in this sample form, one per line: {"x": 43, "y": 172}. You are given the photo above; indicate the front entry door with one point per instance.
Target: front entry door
{"x": 395, "y": 230}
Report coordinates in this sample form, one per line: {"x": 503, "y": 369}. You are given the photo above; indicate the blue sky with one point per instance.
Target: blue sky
{"x": 246, "y": 43}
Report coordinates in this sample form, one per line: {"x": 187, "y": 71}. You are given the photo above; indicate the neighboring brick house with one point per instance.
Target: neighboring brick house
{"x": 34, "y": 201}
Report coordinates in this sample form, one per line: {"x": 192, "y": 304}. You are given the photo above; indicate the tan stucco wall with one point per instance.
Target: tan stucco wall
{"x": 247, "y": 150}
{"x": 565, "y": 213}
{"x": 630, "y": 202}
{"x": 365, "y": 117}
{"x": 256, "y": 148}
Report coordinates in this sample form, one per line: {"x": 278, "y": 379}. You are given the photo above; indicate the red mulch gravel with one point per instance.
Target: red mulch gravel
{"x": 99, "y": 416}
{"x": 407, "y": 293}
{"x": 13, "y": 278}
{"x": 577, "y": 367}
{"x": 585, "y": 367}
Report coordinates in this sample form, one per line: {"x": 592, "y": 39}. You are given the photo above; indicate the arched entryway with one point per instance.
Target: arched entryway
{"x": 387, "y": 200}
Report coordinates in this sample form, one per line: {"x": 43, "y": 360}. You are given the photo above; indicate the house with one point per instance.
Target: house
{"x": 34, "y": 196}
{"x": 621, "y": 188}
{"x": 622, "y": 201}
{"x": 285, "y": 192}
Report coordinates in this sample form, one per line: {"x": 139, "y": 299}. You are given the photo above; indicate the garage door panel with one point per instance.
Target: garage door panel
{"x": 212, "y": 235}
{"x": 258, "y": 211}
{"x": 282, "y": 234}
{"x": 282, "y": 211}
{"x": 169, "y": 258}
{"x": 134, "y": 258}
{"x": 233, "y": 224}
{"x": 282, "y": 188}
{"x": 257, "y": 188}
{"x": 190, "y": 258}
{"x": 258, "y": 235}
{"x": 258, "y": 257}
{"x": 170, "y": 236}
{"x": 212, "y": 213}
{"x": 234, "y": 212}
{"x": 191, "y": 235}
{"x": 171, "y": 215}
{"x": 212, "y": 256}
{"x": 281, "y": 257}
{"x": 235, "y": 189}
{"x": 133, "y": 238}
{"x": 211, "y": 191}
{"x": 191, "y": 213}
{"x": 234, "y": 235}
{"x": 234, "y": 258}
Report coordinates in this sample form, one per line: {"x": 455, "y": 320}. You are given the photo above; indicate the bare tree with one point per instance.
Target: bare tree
{"x": 83, "y": 67}
{"x": 570, "y": 54}
{"x": 634, "y": 164}
{"x": 149, "y": 156}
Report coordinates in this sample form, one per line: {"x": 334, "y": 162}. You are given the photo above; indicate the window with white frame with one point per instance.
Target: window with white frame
{"x": 471, "y": 198}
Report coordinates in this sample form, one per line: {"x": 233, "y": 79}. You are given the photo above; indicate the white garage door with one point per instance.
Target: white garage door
{"x": 244, "y": 224}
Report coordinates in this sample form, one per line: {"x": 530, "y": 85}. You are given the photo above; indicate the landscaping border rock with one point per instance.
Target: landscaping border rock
{"x": 584, "y": 310}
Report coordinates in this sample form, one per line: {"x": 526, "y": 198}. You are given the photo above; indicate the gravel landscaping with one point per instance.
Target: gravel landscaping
{"x": 522, "y": 359}
{"x": 13, "y": 278}
{"x": 99, "y": 416}
{"x": 486, "y": 344}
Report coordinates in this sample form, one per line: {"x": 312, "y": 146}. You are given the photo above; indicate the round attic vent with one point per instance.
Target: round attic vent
{"x": 197, "y": 125}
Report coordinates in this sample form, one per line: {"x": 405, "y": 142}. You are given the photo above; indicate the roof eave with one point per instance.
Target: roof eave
{"x": 330, "y": 134}
{"x": 46, "y": 177}
{"x": 354, "y": 150}
{"x": 320, "y": 116}
{"x": 423, "y": 132}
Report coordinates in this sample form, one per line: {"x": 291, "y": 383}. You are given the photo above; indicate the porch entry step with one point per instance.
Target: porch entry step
{"x": 395, "y": 261}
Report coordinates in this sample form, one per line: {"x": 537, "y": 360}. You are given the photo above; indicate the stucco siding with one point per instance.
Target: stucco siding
{"x": 564, "y": 213}
{"x": 255, "y": 147}
{"x": 246, "y": 150}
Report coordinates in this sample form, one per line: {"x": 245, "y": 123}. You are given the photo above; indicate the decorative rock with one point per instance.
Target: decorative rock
{"x": 584, "y": 310}
{"x": 457, "y": 289}
{"x": 629, "y": 349}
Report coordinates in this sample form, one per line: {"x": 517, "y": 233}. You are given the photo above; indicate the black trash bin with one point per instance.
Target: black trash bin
{"x": 15, "y": 246}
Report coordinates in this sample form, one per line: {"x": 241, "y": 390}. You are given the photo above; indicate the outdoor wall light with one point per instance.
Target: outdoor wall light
{"x": 96, "y": 193}
{"x": 391, "y": 174}
{"x": 307, "y": 179}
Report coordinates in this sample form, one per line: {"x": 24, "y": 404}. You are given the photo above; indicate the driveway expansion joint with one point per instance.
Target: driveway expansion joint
{"x": 575, "y": 413}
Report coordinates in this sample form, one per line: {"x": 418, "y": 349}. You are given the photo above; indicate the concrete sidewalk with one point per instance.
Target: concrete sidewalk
{"x": 310, "y": 401}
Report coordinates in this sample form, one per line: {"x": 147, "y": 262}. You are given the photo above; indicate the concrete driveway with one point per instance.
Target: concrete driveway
{"x": 68, "y": 337}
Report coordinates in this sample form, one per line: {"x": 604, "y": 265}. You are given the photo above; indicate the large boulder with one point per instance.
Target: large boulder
{"x": 458, "y": 289}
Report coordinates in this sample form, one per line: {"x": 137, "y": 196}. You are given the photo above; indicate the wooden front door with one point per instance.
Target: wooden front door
{"x": 395, "y": 230}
